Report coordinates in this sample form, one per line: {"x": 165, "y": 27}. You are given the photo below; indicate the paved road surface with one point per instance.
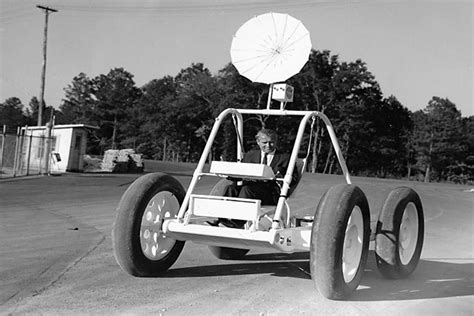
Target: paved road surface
{"x": 56, "y": 258}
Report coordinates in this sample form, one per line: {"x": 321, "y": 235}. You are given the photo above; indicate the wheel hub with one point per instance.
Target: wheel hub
{"x": 408, "y": 234}
{"x": 155, "y": 245}
{"x": 353, "y": 243}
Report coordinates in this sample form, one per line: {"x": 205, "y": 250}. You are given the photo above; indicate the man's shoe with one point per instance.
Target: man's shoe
{"x": 232, "y": 223}
{"x": 224, "y": 222}
{"x": 214, "y": 223}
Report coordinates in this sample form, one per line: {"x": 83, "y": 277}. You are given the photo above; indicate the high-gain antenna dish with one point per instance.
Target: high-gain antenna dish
{"x": 270, "y": 48}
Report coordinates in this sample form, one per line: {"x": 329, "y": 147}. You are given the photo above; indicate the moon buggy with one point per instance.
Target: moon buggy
{"x": 156, "y": 215}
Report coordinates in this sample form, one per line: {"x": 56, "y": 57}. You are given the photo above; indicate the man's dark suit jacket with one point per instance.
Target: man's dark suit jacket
{"x": 269, "y": 191}
{"x": 279, "y": 163}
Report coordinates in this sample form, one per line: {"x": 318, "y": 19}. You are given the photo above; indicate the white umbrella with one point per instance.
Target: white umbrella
{"x": 270, "y": 48}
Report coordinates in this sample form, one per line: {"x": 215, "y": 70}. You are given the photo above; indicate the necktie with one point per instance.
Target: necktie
{"x": 264, "y": 161}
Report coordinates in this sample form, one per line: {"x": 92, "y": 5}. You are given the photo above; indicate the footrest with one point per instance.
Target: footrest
{"x": 219, "y": 236}
{"x": 287, "y": 240}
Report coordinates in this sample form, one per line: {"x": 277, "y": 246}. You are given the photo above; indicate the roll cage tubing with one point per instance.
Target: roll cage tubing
{"x": 307, "y": 115}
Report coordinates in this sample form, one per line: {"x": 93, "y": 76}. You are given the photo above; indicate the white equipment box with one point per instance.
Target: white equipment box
{"x": 282, "y": 92}
{"x": 228, "y": 207}
{"x": 242, "y": 170}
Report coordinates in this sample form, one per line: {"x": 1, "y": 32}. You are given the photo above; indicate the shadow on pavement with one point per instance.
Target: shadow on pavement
{"x": 281, "y": 268}
{"x": 431, "y": 279}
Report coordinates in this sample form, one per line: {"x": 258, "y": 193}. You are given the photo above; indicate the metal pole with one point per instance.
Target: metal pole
{"x": 47, "y": 148}
{"x": 43, "y": 72}
{"x": 270, "y": 93}
{"x": 15, "y": 158}
{"x": 29, "y": 151}
{"x": 21, "y": 152}
{"x": 2, "y": 149}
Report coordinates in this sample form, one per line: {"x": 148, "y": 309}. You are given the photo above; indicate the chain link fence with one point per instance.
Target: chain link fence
{"x": 22, "y": 155}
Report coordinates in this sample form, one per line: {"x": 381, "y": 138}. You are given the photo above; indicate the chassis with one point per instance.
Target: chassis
{"x": 156, "y": 216}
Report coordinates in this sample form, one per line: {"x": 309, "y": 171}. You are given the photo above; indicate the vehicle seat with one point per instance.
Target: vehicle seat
{"x": 300, "y": 165}
{"x": 299, "y": 169}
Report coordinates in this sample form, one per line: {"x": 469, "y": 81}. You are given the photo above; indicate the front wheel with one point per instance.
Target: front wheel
{"x": 340, "y": 241}
{"x": 399, "y": 234}
{"x": 140, "y": 247}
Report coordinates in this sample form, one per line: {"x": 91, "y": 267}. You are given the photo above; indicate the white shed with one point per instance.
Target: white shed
{"x": 68, "y": 146}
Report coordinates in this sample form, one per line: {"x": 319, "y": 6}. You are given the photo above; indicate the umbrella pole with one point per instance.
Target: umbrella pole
{"x": 270, "y": 92}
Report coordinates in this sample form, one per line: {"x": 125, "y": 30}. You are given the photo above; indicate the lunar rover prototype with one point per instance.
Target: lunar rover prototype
{"x": 156, "y": 215}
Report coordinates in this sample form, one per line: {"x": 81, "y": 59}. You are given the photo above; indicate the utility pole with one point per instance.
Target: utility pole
{"x": 47, "y": 11}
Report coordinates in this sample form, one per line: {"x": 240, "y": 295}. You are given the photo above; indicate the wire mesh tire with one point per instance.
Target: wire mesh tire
{"x": 140, "y": 247}
{"x": 399, "y": 234}
{"x": 340, "y": 241}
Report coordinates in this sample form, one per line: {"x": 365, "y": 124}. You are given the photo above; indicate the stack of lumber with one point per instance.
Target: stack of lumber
{"x": 122, "y": 161}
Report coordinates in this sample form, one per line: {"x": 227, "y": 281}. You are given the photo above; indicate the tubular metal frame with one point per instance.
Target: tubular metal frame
{"x": 306, "y": 116}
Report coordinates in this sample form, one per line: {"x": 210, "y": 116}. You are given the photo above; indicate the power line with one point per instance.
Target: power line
{"x": 16, "y": 17}
{"x": 193, "y": 7}
{"x": 186, "y": 8}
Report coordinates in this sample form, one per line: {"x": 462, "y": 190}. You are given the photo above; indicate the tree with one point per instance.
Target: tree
{"x": 172, "y": 117}
{"x": 315, "y": 87}
{"x": 389, "y": 151}
{"x": 437, "y": 138}
{"x": 237, "y": 91}
{"x": 191, "y": 110}
{"x": 462, "y": 170}
{"x": 152, "y": 111}
{"x": 78, "y": 105}
{"x": 33, "y": 110}
{"x": 115, "y": 95}
{"x": 11, "y": 113}
{"x": 356, "y": 96}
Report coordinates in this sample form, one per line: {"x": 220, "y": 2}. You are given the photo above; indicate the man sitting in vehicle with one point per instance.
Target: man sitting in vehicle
{"x": 266, "y": 191}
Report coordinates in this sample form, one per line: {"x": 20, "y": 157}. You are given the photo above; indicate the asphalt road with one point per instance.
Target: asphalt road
{"x": 56, "y": 258}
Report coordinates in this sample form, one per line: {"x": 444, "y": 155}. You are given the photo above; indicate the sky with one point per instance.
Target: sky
{"x": 415, "y": 49}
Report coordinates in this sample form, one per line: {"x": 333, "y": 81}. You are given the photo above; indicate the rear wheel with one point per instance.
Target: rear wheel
{"x": 225, "y": 253}
{"x": 340, "y": 241}
{"x": 399, "y": 234}
{"x": 139, "y": 245}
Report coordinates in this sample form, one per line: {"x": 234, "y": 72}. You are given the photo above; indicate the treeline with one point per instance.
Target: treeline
{"x": 170, "y": 119}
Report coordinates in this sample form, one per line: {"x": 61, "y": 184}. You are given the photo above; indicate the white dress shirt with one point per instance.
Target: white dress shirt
{"x": 269, "y": 157}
